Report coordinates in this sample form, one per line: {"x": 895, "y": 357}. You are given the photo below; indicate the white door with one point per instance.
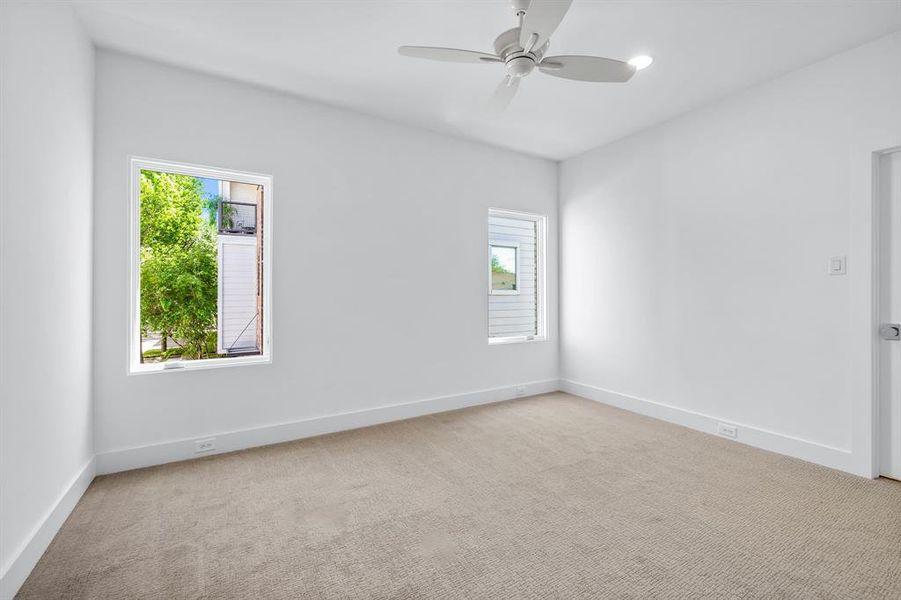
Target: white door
{"x": 890, "y": 384}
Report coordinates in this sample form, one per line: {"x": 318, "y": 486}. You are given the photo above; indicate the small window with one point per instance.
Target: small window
{"x": 199, "y": 267}
{"x": 516, "y": 288}
{"x": 503, "y": 268}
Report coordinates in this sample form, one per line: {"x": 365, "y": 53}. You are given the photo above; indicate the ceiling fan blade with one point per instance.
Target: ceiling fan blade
{"x": 503, "y": 94}
{"x": 587, "y": 68}
{"x": 541, "y": 21}
{"x": 448, "y": 54}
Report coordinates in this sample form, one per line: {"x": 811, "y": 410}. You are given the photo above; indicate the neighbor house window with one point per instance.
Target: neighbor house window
{"x": 200, "y": 240}
{"x": 516, "y": 257}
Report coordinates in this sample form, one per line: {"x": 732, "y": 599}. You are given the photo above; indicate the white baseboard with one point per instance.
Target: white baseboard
{"x": 828, "y": 456}
{"x": 16, "y": 571}
{"x": 176, "y": 450}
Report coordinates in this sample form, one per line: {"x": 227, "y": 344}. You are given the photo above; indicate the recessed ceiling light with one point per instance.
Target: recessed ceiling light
{"x": 641, "y": 62}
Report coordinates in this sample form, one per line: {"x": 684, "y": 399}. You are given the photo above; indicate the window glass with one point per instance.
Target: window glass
{"x": 503, "y": 268}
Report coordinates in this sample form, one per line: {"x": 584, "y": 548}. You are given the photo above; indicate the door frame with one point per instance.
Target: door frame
{"x": 881, "y": 205}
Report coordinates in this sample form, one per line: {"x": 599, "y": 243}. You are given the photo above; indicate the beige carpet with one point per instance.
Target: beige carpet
{"x": 546, "y": 497}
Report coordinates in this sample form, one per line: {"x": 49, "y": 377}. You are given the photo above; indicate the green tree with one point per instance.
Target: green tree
{"x": 179, "y": 271}
{"x": 213, "y": 206}
{"x": 170, "y": 209}
{"x": 496, "y": 266}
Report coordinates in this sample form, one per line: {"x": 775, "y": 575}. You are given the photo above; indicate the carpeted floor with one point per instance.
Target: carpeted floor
{"x": 546, "y": 497}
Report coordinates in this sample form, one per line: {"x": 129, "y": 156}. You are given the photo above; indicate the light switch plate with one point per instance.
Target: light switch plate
{"x": 838, "y": 265}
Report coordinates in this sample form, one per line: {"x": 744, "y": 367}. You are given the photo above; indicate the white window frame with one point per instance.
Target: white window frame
{"x": 138, "y": 164}
{"x": 540, "y": 276}
{"x": 501, "y": 244}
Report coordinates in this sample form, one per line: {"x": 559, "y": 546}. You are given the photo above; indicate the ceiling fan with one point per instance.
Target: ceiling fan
{"x": 522, "y": 49}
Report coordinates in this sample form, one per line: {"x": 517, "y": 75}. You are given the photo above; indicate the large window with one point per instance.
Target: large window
{"x": 200, "y": 240}
{"x": 516, "y": 287}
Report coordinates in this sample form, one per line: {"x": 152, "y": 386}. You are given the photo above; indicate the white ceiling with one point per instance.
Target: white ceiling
{"x": 344, "y": 53}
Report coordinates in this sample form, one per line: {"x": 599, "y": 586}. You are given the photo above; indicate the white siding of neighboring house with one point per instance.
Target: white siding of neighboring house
{"x": 511, "y": 315}
{"x": 237, "y": 292}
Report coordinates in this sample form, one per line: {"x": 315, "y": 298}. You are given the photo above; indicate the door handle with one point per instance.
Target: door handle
{"x": 890, "y": 331}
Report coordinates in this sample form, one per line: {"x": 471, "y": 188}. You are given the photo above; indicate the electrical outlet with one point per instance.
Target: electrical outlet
{"x": 520, "y": 390}
{"x": 726, "y": 430}
{"x": 204, "y": 445}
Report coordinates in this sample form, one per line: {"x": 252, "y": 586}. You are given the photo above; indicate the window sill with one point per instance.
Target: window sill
{"x": 516, "y": 340}
{"x": 197, "y": 365}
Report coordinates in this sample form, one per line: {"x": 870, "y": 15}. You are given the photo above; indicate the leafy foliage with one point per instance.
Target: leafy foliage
{"x": 179, "y": 271}
{"x": 497, "y": 267}
{"x": 157, "y": 353}
{"x": 214, "y": 205}
{"x": 170, "y": 209}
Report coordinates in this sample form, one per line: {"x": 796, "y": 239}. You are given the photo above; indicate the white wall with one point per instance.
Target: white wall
{"x": 694, "y": 260}
{"x": 46, "y": 77}
{"x": 379, "y": 287}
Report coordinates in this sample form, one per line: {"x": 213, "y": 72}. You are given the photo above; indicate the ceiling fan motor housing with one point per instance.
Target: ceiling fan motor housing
{"x": 518, "y": 63}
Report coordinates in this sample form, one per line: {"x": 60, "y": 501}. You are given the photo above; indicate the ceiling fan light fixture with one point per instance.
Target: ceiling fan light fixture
{"x": 520, "y": 66}
{"x": 641, "y": 62}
